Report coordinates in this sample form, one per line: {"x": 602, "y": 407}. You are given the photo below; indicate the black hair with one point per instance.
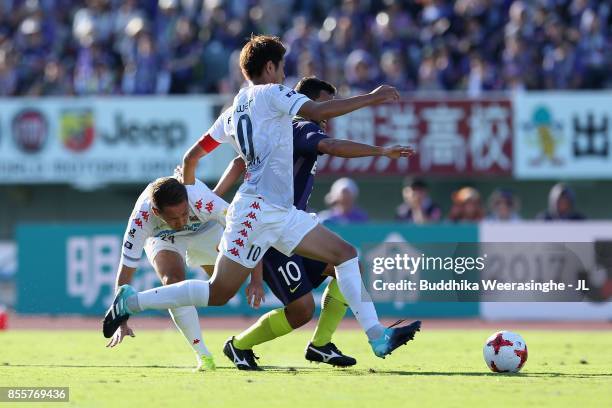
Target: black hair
{"x": 313, "y": 86}
{"x": 415, "y": 183}
{"x": 167, "y": 191}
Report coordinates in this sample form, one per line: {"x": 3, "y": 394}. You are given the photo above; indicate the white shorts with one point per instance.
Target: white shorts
{"x": 196, "y": 249}
{"x": 254, "y": 226}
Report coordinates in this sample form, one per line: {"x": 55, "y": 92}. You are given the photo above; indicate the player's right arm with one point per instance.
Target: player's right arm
{"x": 207, "y": 143}
{"x": 319, "y": 111}
{"x": 191, "y": 159}
{"x": 124, "y": 276}
{"x": 312, "y": 140}
{"x": 350, "y": 149}
{"x": 138, "y": 230}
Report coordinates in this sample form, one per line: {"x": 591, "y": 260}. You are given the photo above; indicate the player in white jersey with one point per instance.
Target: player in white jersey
{"x": 262, "y": 215}
{"x": 174, "y": 224}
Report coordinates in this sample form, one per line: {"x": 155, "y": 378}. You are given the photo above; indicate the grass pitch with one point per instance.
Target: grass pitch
{"x": 440, "y": 368}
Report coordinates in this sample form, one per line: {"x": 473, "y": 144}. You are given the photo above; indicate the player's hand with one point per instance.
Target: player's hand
{"x": 385, "y": 93}
{"x": 122, "y": 331}
{"x": 395, "y": 152}
{"x": 255, "y": 294}
{"x": 178, "y": 173}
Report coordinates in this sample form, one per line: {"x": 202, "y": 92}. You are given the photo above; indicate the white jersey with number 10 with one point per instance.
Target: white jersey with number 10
{"x": 258, "y": 126}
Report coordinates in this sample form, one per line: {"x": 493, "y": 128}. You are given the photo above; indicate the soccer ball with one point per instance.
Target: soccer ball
{"x": 505, "y": 352}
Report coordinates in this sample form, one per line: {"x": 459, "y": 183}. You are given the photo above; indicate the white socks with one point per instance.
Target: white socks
{"x": 181, "y": 298}
{"x": 351, "y": 286}
{"x": 187, "y": 293}
{"x": 188, "y": 323}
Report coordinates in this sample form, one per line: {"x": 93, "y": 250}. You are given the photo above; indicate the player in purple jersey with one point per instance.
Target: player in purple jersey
{"x": 292, "y": 278}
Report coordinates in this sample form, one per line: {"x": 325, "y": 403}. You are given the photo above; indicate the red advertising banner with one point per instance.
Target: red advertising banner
{"x": 460, "y": 137}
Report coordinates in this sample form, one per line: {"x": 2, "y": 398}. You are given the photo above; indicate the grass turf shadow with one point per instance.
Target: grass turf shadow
{"x": 338, "y": 370}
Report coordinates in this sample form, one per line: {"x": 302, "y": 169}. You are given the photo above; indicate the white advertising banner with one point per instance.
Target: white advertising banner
{"x": 8, "y": 260}
{"x": 594, "y": 258}
{"x": 562, "y": 135}
{"x": 92, "y": 141}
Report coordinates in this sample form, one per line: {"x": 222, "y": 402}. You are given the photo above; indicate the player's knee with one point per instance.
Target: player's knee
{"x": 300, "y": 312}
{"x": 172, "y": 277}
{"x": 300, "y": 318}
{"x": 345, "y": 252}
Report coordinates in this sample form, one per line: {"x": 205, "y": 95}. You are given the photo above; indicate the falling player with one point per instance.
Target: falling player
{"x": 262, "y": 215}
{"x": 174, "y": 224}
{"x": 293, "y": 278}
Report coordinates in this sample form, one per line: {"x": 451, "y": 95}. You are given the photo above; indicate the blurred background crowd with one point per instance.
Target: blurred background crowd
{"x": 66, "y": 47}
{"x": 135, "y": 47}
{"x": 466, "y": 205}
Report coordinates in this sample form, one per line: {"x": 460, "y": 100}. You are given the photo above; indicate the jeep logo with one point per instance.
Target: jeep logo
{"x": 169, "y": 134}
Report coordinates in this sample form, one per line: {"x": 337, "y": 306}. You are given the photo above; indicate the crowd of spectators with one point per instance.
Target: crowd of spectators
{"x": 466, "y": 205}
{"x": 504, "y": 206}
{"x": 64, "y": 47}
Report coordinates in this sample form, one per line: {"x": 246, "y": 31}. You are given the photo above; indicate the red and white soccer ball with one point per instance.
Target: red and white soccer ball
{"x": 505, "y": 352}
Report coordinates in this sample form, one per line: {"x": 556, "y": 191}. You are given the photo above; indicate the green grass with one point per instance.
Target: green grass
{"x": 440, "y": 368}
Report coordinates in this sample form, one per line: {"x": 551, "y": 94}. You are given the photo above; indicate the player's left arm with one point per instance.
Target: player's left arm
{"x": 350, "y": 149}
{"x": 320, "y": 111}
{"x": 230, "y": 176}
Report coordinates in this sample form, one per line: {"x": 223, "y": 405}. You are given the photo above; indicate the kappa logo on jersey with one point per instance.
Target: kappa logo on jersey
{"x": 244, "y": 233}
{"x": 145, "y": 215}
{"x": 252, "y": 216}
{"x": 239, "y": 242}
{"x": 290, "y": 94}
{"x": 138, "y": 222}
{"x": 247, "y": 224}
{"x": 255, "y": 205}
{"x": 128, "y": 245}
{"x": 193, "y": 218}
{"x": 234, "y": 252}
{"x": 210, "y": 206}
{"x": 132, "y": 232}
